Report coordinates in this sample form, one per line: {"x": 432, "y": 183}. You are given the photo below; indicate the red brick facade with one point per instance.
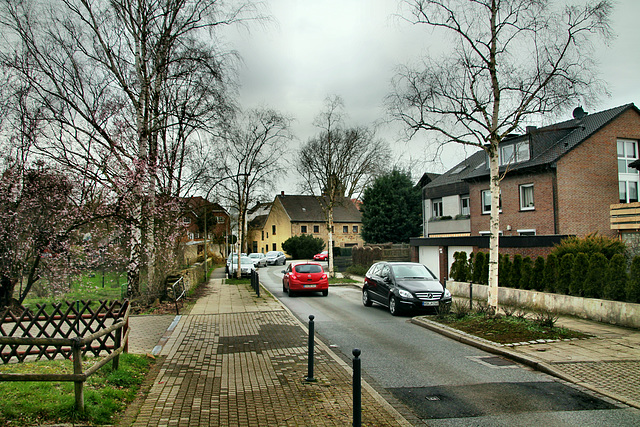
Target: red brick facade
{"x": 572, "y": 199}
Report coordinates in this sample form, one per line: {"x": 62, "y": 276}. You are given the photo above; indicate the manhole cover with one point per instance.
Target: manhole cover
{"x": 493, "y": 361}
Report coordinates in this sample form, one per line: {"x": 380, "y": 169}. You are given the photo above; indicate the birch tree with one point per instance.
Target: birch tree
{"x": 511, "y": 61}
{"x": 109, "y": 75}
{"x": 339, "y": 162}
{"x": 252, "y": 162}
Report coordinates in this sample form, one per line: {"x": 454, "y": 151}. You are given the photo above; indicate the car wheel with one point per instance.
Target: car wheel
{"x": 284, "y": 288}
{"x": 393, "y": 306}
{"x": 366, "y": 299}
{"x": 290, "y": 292}
{"x": 325, "y": 292}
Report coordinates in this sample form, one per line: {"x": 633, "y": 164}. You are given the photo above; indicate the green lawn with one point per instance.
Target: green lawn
{"x": 106, "y": 393}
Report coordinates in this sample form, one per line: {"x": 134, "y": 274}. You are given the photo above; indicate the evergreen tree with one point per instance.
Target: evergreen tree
{"x": 565, "y": 273}
{"x": 460, "y": 267}
{"x": 580, "y": 267}
{"x": 504, "y": 274}
{"x": 633, "y": 285}
{"x": 526, "y": 273}
{"x": 551, "y": 273}
{"x": 304, "y": 246}
{"x": 616, "y": 278}
{"x": 479, "y": 268}
{"x": 596, "y": 274}
{"x": 537, "y": 276}
{"x": 391, "y": 209}
{"x": 516, "y": 271}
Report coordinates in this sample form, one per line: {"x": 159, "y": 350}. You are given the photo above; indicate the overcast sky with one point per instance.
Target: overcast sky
{"x": 351, "y": 48}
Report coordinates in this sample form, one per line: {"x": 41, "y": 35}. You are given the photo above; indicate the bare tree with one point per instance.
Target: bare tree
{"x": 339, "y": 162}
{"x": 513, "y": 61}
{"x": 252, "y": 161}
{"x": 118, "y": 79}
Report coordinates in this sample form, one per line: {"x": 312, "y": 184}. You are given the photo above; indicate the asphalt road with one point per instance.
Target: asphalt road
{"x": 441, "y": 381}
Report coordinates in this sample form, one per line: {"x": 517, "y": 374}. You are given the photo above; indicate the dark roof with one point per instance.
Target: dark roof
{"x": 308, "y": 209}
{"x": 196, "y": 203}
{"x": 548, "y": 144}
{"x": 452, "y": 182}
{"x": 426, "y": 178}
{"x": 258, "y": 222}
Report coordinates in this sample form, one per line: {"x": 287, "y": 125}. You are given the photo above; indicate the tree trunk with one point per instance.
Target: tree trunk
{"x": 330, "y": 248}
{"x": 494, "y": 225}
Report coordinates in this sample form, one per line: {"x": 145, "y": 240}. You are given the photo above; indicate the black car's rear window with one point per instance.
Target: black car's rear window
{"x": 308, "y": 268}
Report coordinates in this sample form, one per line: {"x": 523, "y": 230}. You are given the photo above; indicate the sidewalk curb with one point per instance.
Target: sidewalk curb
{"x": 533, "y": 363}
{"x": 402, "y": 421}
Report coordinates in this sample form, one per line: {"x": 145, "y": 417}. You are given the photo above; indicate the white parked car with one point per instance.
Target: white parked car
{"x": 246, "y": 267}
{"x": 259, "y": 259}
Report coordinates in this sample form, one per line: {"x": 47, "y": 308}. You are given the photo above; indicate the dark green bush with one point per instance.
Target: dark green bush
{"x": 565, "y": 273}
{"x": 304, "y": 246}
{"x": 551, "y": 273}
{"x": 504, "y": 271}
{"x": 596, "y": 276}
{"x": 460, "y": 267}
{"x": 357, "y": 270}
{"x": 537, "y": 275}
{"x": 525, "y": 273}
{"x": 479, "y": 268}
{"x": 589, "y": 245}
{"x": 616, "y": 278}
{"x": 516, "y": 271}
{"x": 580, "y": 267}
{"x": 633, "y": 284}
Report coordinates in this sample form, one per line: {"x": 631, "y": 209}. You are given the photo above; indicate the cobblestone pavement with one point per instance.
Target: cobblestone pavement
{"x": 147, "y": 331}
{"x": 239, "y": 360}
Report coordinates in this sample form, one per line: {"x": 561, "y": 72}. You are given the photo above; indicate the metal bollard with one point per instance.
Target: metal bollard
{"x": 311, "y": 346}
{"x": 357, "y": 396}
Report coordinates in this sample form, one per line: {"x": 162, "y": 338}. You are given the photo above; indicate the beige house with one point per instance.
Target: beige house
{"x": 293, "y": 215}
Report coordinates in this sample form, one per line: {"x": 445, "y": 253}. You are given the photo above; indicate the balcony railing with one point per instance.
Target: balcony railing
{"x": 625, "y": 216}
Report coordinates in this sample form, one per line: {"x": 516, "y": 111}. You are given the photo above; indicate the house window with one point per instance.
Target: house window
{"x": 526, "y": 197}
{"x": 186, "y": 220}
{"x": 273, "y": 230}
{"x": 262, "y": 234}
{"x": 436, "y": 208}
{"x": 220, "y": 219}
{"x": 464, "y": 205}
{"x": 316, "y": 229}
{"x": 303, "y": 229}
{"x": 627, "y": 176}
{"x": 274, "y": 247}
{"x": 514, "y": 153}
{"x": 527, "y": 232}
{"x": 486, "y": 202}
{"x": 345, "y": 229}
{"x": 355, "y": 228}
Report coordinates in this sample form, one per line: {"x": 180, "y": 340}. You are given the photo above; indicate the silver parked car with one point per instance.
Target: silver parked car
{"x": 246, "y": 267}
{"x": 259, "y": 259}
{"x": 276, "y": 258}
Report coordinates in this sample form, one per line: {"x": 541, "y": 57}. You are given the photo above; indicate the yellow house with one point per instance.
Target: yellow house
{"x": 293, "y": 215}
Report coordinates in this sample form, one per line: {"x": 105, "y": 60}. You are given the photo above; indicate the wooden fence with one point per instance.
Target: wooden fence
{"x": 71, "y": 332}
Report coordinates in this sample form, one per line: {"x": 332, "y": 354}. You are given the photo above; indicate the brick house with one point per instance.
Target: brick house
{"x": 294, "y": 215}
{"x": 217, "y": 227}
{"x": 560, "y": 180}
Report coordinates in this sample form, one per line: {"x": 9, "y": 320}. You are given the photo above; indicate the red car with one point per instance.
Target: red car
{"x": 305, "y": 277}
{"x": 322, "y": 256}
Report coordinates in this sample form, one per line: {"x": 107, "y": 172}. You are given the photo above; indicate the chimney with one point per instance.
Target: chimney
{"x": 282, "y": 193}
{"x": 530, "y": 129}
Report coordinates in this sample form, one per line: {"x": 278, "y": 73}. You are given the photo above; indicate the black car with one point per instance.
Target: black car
{"x": 403, "y": 286}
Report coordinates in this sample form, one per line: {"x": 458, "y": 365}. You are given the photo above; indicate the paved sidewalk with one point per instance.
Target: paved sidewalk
{"x": 239, "y": 360}
{"x": 608, "y": 363}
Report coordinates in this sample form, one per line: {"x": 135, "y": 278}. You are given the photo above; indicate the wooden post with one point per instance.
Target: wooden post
{"x": 118, "y": 343}
{"x": 77, "y": 370}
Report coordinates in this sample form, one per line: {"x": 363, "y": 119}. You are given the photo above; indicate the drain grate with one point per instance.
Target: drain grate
{"x": 494, "y": 362}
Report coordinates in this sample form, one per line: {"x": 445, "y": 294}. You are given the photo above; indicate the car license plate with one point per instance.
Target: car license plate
{"x": 308, "y": 286}
{"x": 430, "y": 303}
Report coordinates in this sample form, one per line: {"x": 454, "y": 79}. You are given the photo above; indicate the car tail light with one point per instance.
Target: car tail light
{"x": 324, "y": 276}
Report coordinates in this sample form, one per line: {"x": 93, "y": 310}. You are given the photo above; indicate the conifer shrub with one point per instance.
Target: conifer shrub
{"x": 616, "y": 278}
{"x": 460, "y": 267}
{"x": 537, "y": 275}
{"x": 516, "y": 271}
{"x": 565, "y": 274}
{"x": 478, "y": 268}
{"x": 589, "y": 245}
{"x": 525, "y": 273}
{"x": 596, "y": 274}
{"x": 504, "y": 271}
{"x": 580, "y": 266}
{"x": 551, "y": 273}
{"x": 633, "y": 284}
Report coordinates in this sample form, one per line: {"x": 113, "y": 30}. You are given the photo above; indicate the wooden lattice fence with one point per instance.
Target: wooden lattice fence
{"x": 70, "y": 330}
